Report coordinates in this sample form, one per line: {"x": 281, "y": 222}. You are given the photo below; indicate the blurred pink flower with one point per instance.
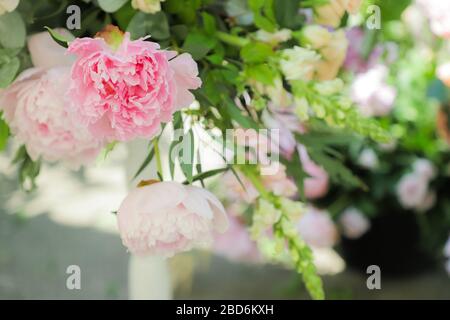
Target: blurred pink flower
{"x": 165, "y": 218}
{"x": 368, "y": 159}
{"x": 127, "y": 92}
{"x": 370, "y": 92}
{"x": 34, "y": 107}
{"x": 412, "y": 190}
{"x": 354, "y": 61}
{"x": 424, "y": 168}
{"x": 443, "y": 73}
{"x": 317, "y": 229}
{"x": 287, "y": 123}
{"x": 278, "y": 183}
{"x": 438, "y": 11}
{"x": 235, "y": 244}
{"x": 354, "y": 223}
{"x": 316, "y": 185}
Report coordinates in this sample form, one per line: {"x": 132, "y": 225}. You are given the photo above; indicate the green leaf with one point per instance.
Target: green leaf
{"x": 144, "y": 24}
{"x": 124, "y": 15}
{"x": 262, "y": 73}
{"x": 256, "y": 52}
{"x": 12, "y": 30}
{"x": 198, "y": 45}
{"x": 209, "y": 23}
{"x": 8, "y": 72}
{"x": 111, "y": 5}
{"x": 145, "y": 163}
{"x": 287, "y": 14}
{"x": 236, "y": 114}
{"x": 206, "y": 174}
{"x": 59, "y": 39}
{"x": 4, "y": 134}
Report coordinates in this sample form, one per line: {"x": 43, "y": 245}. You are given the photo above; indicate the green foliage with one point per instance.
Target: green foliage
{"x": 199, "y": 44}
{"x": 263, "y": 14}
{"x": 58, "y": 38}
{"x": 111, "y": 5}
{"x": 143, "y": 24}
{"x": 4, "y": 134}
{"x": 28, "y": 169}
{"x": 8, "y": 22}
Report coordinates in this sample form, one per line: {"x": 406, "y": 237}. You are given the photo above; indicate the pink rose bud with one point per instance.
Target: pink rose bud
{"x": 125, "y": 89}
{"x": 164, "y": 218}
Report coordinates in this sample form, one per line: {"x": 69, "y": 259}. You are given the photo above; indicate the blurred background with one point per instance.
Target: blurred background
{"x": 42, "y": 234}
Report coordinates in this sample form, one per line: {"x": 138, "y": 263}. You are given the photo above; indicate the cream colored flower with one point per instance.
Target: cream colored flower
{"x": 147, "y": 6}
{"x": 316, "y": 36}
{"x": 331, "y": 13}
{"x": 8, "y": 6}
{"x": 329, "y": 87}
{"x": 333, "y": 56}
{"x": 275, "y": 37}
{"x": 299, "y": 63}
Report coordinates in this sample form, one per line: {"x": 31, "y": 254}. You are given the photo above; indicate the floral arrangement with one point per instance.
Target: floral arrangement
{"x": 269, "y": 71}
{"x": 401, "y": 79}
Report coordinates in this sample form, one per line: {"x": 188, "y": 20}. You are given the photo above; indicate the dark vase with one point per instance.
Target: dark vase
{"x": 393, "y": 243}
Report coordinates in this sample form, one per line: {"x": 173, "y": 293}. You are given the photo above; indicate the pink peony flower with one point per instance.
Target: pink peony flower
{"x": 164, "y": 218}
{"x": 370, "y": 92}
{"x": 235, "y": 244}
{"x": 126, "y": 91}
{"x": 424, "y": 168}
{"x": 438, "y": 11}
{"x": 354, "y": 223}
{"x": 317, "y": 228}
{"x": 34, "y": 105}
{"x": 46, "y": 53}
{"x": 412, "y": 190}
{"x": 316, "y": 185}
{"x": 354, "y": 60}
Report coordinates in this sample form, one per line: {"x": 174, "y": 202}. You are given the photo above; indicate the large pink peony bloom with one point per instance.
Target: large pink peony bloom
{"x": 33, "y": 106}
{"x": 127, "y": 92}
{"x": 164, "y": 218}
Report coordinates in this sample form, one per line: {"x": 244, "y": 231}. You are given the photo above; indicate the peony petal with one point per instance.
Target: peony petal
{"x": 46, "y": 53}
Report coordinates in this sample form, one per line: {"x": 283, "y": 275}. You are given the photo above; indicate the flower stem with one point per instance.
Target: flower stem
{"x": 232, "y": 39}
{"x": 158, "y": 158}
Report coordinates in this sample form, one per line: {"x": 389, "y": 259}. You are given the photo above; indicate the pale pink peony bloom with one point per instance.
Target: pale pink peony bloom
{"x": 424, "y": 168}
{"x": 235, "y": 244}
{"x": 317, "y": 229}
{"x": 428, "y": 202}
{"x": 412, "y": 190}
{"x": 354, "y": 223}
{"x": 372, "y": 95}
{"x": 33, "y": 107}
{"x": 438, "y": 11}
{"x": 165, "y": 218}
{"x": 46, "y": 53}
{"x": 127, "y": 92}
{"x": 316, "y": 185}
